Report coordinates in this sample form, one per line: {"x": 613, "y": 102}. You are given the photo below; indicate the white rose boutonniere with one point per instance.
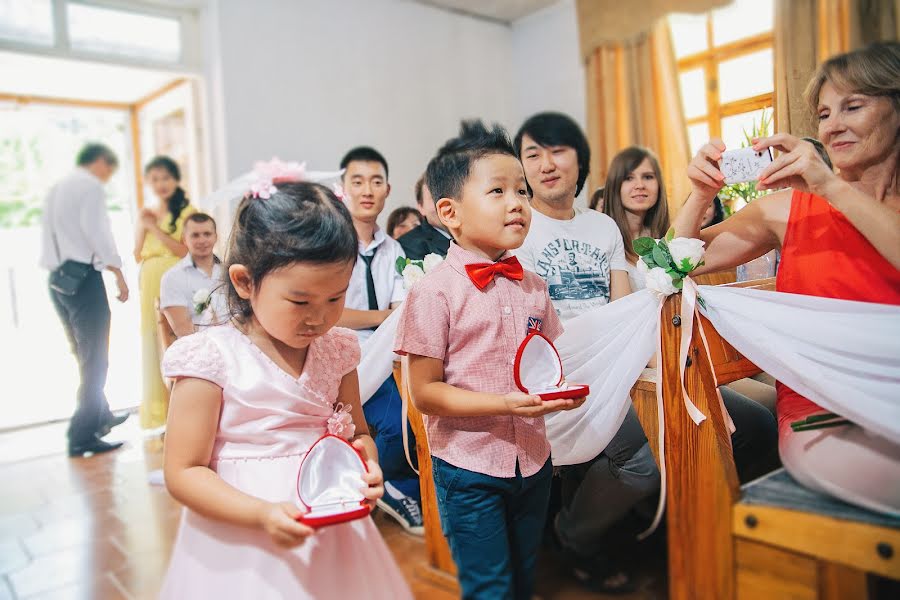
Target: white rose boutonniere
{"x": 411, "y": 274}
{"x": 414, "y": 270}
{"x": 201, "y": 299}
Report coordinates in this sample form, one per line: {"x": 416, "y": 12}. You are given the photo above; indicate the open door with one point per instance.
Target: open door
{"x": 167, "y": 122}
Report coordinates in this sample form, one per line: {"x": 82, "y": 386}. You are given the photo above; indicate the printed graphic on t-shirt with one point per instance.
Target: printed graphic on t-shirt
{"x": 574, "y": 270}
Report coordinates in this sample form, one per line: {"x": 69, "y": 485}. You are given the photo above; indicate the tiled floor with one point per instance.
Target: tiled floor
{"x": 94, "y": 529}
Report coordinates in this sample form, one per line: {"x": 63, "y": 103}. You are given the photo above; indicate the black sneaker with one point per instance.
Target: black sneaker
{"x": 92, "y": 447}
{"x": 597, "y": 573}
{"x": 402, "y": 508}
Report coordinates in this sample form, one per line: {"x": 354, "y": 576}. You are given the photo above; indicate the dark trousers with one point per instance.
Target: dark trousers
{"x": 597, "y": 495}
{"x": 494, "y": 527}
{"x": 85, "y": 317}
{"x": 383, "y": 416}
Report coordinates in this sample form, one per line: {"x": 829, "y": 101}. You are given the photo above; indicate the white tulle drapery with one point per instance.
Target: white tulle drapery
{"x": 842, "y": 355}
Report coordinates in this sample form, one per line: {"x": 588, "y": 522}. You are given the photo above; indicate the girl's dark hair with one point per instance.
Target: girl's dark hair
{"x": 657, "y": 218}
{"x": 557, "y": 129}
{"x": 301, "y": 222}
{"x": 178, "y": 200}
{"x": 398, "y": 215}
{"x": 596, "y": 197}
{"x": 718, "y": 213}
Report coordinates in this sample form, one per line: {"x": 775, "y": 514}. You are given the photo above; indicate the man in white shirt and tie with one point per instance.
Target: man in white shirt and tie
{"x": 198, "y": 274}
{"x": 375, "y": 290}
{"x": 77, "y": 238}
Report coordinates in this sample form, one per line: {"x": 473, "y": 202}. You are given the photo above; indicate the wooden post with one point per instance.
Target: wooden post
{"x": 701, "y": 479}
{"x": 441, "y": 570}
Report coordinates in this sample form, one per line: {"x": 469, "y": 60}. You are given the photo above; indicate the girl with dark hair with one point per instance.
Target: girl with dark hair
{"x": 251, "y": 399}
{"x": 157, "y": 247}
{"x": 714, "y": 215}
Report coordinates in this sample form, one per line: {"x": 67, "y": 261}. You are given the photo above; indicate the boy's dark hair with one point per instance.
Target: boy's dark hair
{"x": 447, "y": 172}
{"x": 364, "y": 154}
{"x": 398, "y": 215}
{"x": 200, "y": 218}
{"x": 301, "y": 222}
{"x": 557, "y": 129}
{"x": 178, "y": 200}
{"x": 91, "y": 152}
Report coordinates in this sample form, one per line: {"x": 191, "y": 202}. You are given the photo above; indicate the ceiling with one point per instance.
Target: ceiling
{"x": 30, "y": 75}
{"x": 506, "y": 11}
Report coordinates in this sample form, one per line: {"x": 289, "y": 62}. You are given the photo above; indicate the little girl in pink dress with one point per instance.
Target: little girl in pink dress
{"x": 252, "y": 396}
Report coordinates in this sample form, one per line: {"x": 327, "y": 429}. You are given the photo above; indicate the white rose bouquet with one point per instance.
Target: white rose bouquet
{"x": 667, "y": 261}
{"x": 414, "y": 270}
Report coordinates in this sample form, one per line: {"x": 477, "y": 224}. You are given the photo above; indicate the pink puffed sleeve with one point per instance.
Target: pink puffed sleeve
{"x": 197, "y": 356}
{"x": 344, "y": 348}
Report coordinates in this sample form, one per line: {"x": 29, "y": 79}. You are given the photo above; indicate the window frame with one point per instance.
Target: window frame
{"x": 709, "y": 60}
{"x": 188, "y": 60}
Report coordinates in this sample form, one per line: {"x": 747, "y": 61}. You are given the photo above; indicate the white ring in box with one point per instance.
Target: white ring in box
{"x": 538, "y": 370}
{"x": 330, "y": 483}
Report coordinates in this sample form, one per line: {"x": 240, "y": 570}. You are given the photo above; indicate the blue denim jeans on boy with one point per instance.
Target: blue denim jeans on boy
{"x": 494, "y": 527}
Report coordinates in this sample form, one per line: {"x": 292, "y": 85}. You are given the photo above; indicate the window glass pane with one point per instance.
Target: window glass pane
{"x": 124, "y": 33}
{"x": 697, "y": 136}
{"x": 742, "y": 19}
{"x": 746, "y": 76}
{"x": 735, "y": 129}
{"x": 688, "y": 34}
{"x": 693, "y": 93}
{"x": 27, "y": 21}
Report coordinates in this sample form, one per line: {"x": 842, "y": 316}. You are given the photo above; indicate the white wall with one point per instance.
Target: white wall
{"x": 548, "y": 73}
{"x": 308, "y": 80}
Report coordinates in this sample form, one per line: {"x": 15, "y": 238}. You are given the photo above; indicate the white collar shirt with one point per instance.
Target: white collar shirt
{"x": 184, "y": 279}
{"x": 388, "y": 283}
{"x": 75, "y": 215}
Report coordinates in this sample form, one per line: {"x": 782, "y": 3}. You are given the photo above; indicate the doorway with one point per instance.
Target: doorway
{"x": 50, "y": 107}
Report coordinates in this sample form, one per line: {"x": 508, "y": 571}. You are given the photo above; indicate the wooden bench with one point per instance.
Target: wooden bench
{"x": 771, "y": 539}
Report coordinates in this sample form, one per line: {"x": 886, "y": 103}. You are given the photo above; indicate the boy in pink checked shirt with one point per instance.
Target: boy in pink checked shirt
{"x": 461, "y": 327}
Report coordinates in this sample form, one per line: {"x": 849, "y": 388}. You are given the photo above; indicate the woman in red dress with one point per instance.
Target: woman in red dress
{"x": 839, "y": 236}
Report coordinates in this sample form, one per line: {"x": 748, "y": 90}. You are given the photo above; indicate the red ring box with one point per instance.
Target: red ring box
{"x": 538, "y": 370}
{"x": 330, "y": 481}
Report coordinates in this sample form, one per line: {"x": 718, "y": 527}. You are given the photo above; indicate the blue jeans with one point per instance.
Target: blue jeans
{"x": 382, "y": 413}
{"x": 494, "y": 526}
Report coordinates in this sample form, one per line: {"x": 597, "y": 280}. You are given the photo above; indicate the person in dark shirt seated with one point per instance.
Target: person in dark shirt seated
{"x": 430, "y": 237}
{"x": 402, "y": 220}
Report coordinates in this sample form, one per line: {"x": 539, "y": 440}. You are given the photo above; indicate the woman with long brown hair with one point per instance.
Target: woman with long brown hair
{"x": 635, "y": 198}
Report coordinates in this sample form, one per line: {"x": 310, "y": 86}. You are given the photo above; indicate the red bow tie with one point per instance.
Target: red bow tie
{"x": 482, "y": 274}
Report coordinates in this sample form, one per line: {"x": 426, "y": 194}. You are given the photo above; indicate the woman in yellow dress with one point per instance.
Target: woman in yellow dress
{"x": 158, "y": 246}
